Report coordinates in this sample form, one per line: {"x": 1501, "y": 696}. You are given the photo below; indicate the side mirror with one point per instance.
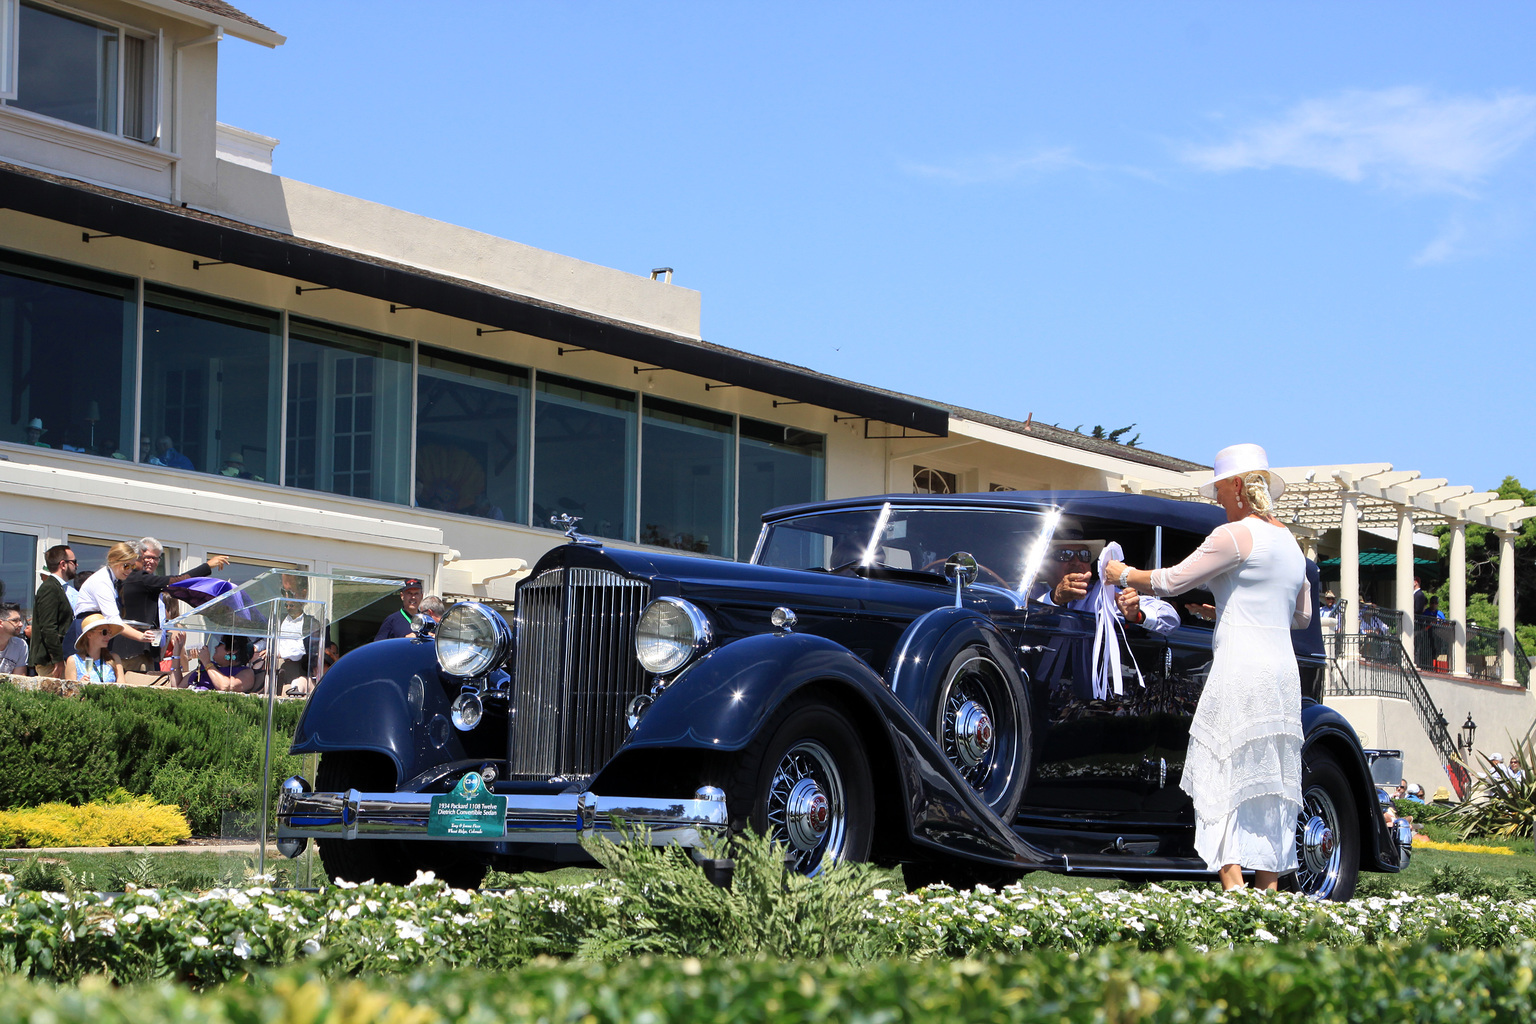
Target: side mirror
{"x": 961, "y": 569}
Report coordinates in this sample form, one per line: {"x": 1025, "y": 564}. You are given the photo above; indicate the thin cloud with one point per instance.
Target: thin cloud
{"x": 1400, "y": 138}
{"x": 1446, "y": 246}
{"x": 996, "y": 167}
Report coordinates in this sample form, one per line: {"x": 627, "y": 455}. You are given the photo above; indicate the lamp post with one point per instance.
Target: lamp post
{"x": 1465, "y": 739}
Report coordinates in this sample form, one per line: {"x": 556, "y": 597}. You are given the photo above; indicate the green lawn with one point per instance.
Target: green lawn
{"x": 1430, "y": 870}
{"x": 111, "y": 870}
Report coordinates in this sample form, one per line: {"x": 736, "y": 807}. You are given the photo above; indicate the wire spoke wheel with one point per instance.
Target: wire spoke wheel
{"x": 807, "y": 806}
{"x": 1318, "y": 854}
{"x": 966, "y": 729}
{"x": 1327, "y": 832}
{"x": 805, "y": 782}
{"x": 981, "y": 725}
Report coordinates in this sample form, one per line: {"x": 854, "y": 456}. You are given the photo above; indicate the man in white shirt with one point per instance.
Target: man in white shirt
{"x": 13, "y": 649}
{"x": 292, "y": 653}
{"x": 1067, "y": 582}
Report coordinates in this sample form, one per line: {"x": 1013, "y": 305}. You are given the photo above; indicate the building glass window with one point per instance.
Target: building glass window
{"x": 244, "y": 568}
{"x": 471, "y": 436}
{"x": 66, "y": 357}
{"x": 90, "y": 555}
{"x": 685, "y": 495}
{"x": 584, "y": 456}
{"x": 779, "y": 466}
{"x": 349, "y": 413}
{"x": 85, "y": 72}
{"x": 18, "y": 569}
{"x": 210, "y": 386}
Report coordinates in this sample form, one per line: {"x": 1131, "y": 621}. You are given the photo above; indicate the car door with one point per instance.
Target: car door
{"x": 1091, "y": 754}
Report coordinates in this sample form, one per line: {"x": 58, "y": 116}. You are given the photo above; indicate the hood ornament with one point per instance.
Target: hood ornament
{"x": 566, "y": 523}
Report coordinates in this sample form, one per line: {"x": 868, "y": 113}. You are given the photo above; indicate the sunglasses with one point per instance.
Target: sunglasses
{"x": 1074, "y": 555}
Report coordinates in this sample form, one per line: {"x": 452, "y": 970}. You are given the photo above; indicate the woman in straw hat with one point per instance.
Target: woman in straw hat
{"x": 1243, "y": 768}
{"x": 92, "y": 662}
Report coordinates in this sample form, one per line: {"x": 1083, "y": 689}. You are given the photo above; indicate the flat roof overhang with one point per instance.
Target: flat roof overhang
{"x": 210, "y": 237}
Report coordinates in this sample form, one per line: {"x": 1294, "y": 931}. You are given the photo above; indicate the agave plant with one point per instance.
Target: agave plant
{"x": 1502, "y": 805}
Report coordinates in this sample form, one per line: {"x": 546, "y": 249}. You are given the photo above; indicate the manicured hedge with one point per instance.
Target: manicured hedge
{"x": 1114, "y": 984}
{"x": 199, "y": 751}
{"x": 130, "y": 821}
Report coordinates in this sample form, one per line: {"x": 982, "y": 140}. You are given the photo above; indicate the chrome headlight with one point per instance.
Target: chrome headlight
{"x": 472, "y": 640}
{"x": 670, "y": 633}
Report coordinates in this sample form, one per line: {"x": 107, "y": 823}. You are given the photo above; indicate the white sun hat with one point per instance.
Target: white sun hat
{"x": 1240, "y": 460}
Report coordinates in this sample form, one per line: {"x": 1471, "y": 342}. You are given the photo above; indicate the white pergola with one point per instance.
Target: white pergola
{"x": 1348, "y": 498}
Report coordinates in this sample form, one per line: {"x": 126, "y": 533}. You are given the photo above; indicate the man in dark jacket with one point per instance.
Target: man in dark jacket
{"x": 52, "y": 612}
{"x": 139, "y": 601}
{"x": 402, "y": 623}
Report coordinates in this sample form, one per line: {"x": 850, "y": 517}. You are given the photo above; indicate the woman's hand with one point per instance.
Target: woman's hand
{"x": 1112, "y": 571}
{"x": 217, "y": 562}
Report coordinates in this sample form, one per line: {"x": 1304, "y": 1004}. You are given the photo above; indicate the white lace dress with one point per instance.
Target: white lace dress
{"x": 1243, "y": 769}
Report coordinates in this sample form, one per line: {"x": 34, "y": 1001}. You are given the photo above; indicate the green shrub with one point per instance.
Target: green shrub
{"x": 1499, "y": 806}
{"x": 199, "y": 751}
{"x": 1415, "y": 982}
{"x": 665, "y": 904}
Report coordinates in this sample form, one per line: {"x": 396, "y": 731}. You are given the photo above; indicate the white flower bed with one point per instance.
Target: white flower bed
{"x": 1018, "y": 918}
{"x": 222, "y": 933}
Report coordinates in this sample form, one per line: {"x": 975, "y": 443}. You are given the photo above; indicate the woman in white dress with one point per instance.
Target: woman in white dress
{"x": 1243, "y": 769}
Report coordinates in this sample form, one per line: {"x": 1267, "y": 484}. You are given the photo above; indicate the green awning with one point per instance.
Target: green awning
{"x": 1378, "y": 558}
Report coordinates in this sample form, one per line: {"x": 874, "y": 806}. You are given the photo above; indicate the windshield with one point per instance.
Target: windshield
{"x": 1007, "y": 543}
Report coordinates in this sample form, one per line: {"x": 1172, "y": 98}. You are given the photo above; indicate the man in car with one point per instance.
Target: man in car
{"x": 1066, "y": 580}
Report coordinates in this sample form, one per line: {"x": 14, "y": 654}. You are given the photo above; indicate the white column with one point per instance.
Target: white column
{"x": 1349, "y": 560}
{"x": 1507, "y": 602}
{"x": 1404, "y": 595}
{"x": 1459, "y": 598}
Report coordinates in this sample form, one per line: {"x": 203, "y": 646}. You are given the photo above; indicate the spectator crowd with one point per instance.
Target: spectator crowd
{"x": 110, "y": 623}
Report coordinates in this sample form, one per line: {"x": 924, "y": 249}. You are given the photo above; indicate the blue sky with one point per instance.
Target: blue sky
{"x": 1307, "y": 225}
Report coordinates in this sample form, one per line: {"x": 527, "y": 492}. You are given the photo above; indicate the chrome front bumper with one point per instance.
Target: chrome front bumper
{"x": 559, "y": 819}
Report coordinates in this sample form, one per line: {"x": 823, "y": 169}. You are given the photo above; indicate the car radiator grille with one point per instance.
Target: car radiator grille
{"x": 575, "y": 670}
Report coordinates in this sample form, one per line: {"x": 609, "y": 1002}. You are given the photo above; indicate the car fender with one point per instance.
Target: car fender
{"x": 722, "y": 700}
{"x": 1324, "y": 727}
{"x": 383, "y": 697}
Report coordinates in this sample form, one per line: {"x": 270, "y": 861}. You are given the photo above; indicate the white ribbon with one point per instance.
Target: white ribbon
{"x": 1106, "y": 645}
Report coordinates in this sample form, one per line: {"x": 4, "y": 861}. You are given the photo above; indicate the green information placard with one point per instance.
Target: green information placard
{"x": 468, "y": 810}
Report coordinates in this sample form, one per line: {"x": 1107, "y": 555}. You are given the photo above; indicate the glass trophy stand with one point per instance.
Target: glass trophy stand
{"x": 287, "y": 615}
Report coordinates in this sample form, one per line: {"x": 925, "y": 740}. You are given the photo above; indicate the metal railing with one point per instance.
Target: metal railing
{"x": 1432, "y": 643}
{"x": 1373, "y": 665}
{"x": 1381, "y": 619}
{"x": 1484, "y": 647}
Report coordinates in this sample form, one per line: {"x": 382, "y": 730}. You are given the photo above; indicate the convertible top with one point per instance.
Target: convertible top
{"x": 1196, "y": 517}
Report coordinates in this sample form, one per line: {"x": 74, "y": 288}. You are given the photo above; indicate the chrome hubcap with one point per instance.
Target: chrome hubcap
{"x": 973, "y": 733}
{"x": 807, "y": 808}
{"x": 806, "y": 814}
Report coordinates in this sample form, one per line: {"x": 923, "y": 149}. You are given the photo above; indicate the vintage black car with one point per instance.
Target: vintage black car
{"x": 879, "y": 683}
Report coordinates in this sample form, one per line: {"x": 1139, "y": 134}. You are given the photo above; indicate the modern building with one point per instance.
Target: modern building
{"x": 199, "y": 349}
